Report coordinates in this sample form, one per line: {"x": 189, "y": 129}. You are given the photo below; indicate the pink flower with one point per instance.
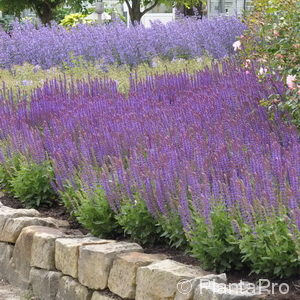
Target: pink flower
{"x": 237, "y": 45}
{"x": 262, "y": 71}
{"x": 290, "y": 81}
{"x": 248, "y": 63}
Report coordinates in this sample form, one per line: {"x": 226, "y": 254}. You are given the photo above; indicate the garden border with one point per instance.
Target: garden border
{"x": 37, "y": 253}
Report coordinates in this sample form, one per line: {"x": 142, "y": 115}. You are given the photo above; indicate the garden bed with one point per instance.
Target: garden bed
{"x": 59, "y": 212}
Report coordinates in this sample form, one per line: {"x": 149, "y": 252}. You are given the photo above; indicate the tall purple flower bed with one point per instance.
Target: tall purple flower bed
{"x": 115, "y": 43}
{"x": 176, "y": 140}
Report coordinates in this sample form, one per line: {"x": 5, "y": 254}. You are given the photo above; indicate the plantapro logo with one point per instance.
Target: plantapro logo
{"x": 185, "y": 286}
{"x": 263, "y": 286}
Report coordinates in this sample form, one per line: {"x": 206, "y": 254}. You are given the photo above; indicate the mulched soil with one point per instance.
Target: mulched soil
{"x": 58, "y": 211}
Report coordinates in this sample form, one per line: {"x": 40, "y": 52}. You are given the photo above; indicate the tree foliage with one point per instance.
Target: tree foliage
{"x": 45, "y": 9}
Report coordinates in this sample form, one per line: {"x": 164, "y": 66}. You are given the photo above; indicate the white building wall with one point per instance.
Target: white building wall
{"x": 226, "y": 7}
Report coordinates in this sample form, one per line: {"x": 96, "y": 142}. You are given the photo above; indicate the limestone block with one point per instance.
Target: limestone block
{"x": 95, "y": 262}
{"x": 22, "y": 254}
{"x": 67, "y": 253}
{"x": 12, "y": 227}
{"x": 158, "y": 281}
{"x": 122, "y": 277}
{"x": 103, "y": 296}
{"x": 44, "y": 283}
{"x": 59, "y": 223}
{"x": 7, "y": 213}
{"x": 43, "y": 248}
{"x": 186, "y": 287}
{"x": 219, "y": 291}
{"x": 6, "y": 251}
{"x": 70, "y": 289}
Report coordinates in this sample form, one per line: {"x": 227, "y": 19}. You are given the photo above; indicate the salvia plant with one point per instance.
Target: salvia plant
{"x": 116, "y": 44}
{"x": 185, "y": 144}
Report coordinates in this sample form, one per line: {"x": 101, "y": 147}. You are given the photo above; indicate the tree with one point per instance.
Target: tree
{"x": 189, "y": 5}
{"x": 136, "y": 13}
{"x": 135, "y": 8}
{"x": 45, "y": 9}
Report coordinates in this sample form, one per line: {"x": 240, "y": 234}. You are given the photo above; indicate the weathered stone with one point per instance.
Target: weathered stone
{"x": 59, "y": 223}
{"x": 220, "y": 291}
{"x": 6, "y": 252}
{"x": 70, "y": 289}
{"x": 43, "y": 248}
{"x": 103, "y": 296}
{"x": 12, "y": 227}
{"x": 95, "y": 262}
{"x": 22, "y": 254}
{"x": 15, "y": 278}
{"x": 186, "y": 287}
{"x": 159, "y": 281}
{"x": 122, "y": 277}
{"x": 7, "y": 213}
{"x": 67, "y": 253}
{"x": 44, "y": 283}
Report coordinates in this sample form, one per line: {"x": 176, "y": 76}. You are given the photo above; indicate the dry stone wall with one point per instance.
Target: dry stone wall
{"x": 37, "y": 253}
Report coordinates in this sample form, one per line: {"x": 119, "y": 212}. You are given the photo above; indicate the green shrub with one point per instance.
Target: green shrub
{"x": 138, "y": 223}
{"x": 216, "y": 245}
{"x": 8, "y": 170}
{"x": 270, "y": 248}
{"x": 96, "y": 215}
{"x": 72, "y": 20}
{"x": 172, "y": 231}
{"x": 71, "y": 196}
{"x": 32, "y": 184}
{"x": 273, "y": 40}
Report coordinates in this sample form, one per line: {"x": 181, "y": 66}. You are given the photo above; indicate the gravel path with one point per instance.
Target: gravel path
{"x": 7, "y": 292}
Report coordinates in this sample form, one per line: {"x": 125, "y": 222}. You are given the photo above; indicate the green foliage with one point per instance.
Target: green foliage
{"x": 6, "y": 21}
{"x": 216, "y": 244}
{"x": 173, "y": 232}
{"x": 71, "y": 196}
{"x": 95, "y": 214}
{"x": 45, "y": 9}
{"x": 8, "y": 171}
{"x": 270, "y": 248}
{"x": 60, "y": 13}
{"x": 32, "y": 184}
{"x": 138, "y": 223}
{"x": 273, "y": 40}
{"x": 81, "y": 69}
{"x": 72, "y": 20}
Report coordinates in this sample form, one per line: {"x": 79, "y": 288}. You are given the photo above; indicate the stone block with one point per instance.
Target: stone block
{"x": 22, "y": 254}
{"x": 70, "y": 289}
{"x": 6, "y": 252}
{"x": 44, "y": 283}
{"x": 95, "y": 262}
{"x": 43, "y": 248}
{"x": 158, "y": 281}
{"x": 186, "y": 287}
{"x": 122, "y": 277}
{"x": 103, "y": 296}
{"x": 7, "y": 213}
{"x": 67, "y": 253}
{"x": 220, "y": 291}
{"x": 12, "y": 227}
